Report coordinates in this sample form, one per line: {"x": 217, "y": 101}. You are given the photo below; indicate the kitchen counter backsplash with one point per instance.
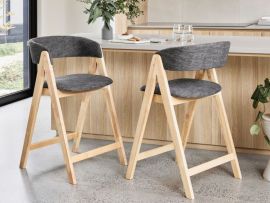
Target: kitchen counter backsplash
{"x": 207, "y": 11}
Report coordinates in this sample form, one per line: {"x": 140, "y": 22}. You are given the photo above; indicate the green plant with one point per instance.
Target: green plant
{"x": 261, "y": 95}
{"x": 11, "y": 76}
{"x": 130, "y": 8}
{"x": 7, "y": 49}
{"x": 107, "y": 9}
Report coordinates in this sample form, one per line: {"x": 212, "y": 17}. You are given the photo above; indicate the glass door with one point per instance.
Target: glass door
{"x": 17, "y": 26}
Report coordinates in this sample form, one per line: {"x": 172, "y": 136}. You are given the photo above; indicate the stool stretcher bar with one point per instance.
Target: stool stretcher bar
{"x": 156, "y": 151}
{"x": 54, "y": 140}
{"x": 95, "y": 152}
{"x": 211, "y": 164}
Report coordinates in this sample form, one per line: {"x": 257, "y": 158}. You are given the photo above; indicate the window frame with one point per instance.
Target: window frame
{"x": 32, "y": 68}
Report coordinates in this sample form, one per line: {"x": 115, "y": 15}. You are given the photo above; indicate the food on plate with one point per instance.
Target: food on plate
{"x": 125, "y": 36}
{"x": 135, "y": 39}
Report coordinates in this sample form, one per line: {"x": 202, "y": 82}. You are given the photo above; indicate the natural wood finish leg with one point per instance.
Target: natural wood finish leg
{"x": 101, "y": 67}
{"x": 32, "y": 116}
{"x": 173, "y": 125}
{"x": 115, "y": 125}
{"x": 228, "y": 135}
{"x": 188, "y": 122}
{"x": 144, "y": 113}
{"x": 190, "y": 113}
{"x": 83, "y": 110}
{"x": 80, "y": 121}
{"x": 225, "y": 126}
{"x": 59, "y": 120}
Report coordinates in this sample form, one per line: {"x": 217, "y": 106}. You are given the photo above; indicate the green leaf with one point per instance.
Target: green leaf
{"x": 94, "y": 4}
{"x": 259, "y": 116}
{"x": 94, "y": 15}
{"x": 107, "y": 23}
{"x": 268, "y": 93}
{"x": 267, "y": 140}
{"x": 255, "y": 129}
{"x": 267, "y": 83}
{"x": 108, "y": 8}
{"x": 255, "y": 104}
{"x": 255, "y": 94}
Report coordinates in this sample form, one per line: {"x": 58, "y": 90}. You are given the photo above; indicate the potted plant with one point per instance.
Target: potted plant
{"x": 107, "y": 9}
{"x": 261, "y": 95}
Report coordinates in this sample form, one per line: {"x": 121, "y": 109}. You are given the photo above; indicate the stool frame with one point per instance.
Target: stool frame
{"x": 158, "y": 75}
{"x": 46, "y": 73}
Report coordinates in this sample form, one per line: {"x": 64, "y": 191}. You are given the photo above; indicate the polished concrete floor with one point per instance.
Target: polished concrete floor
{"x": 101, "y": 179}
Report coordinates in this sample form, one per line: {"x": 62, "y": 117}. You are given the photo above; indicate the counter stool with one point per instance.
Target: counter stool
{"x": 44, "y": 49}
{"x": 203, "y": 59}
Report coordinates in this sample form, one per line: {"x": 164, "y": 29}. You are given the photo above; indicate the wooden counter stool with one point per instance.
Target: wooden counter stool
{"x": 203, "y": 59}
{"x": 44, "y": 49}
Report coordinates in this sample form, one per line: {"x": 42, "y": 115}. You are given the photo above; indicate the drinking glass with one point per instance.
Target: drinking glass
{"x": 188, "y": 30}
{"x": 183, "y": 33}
{"x": 179, "y": 33}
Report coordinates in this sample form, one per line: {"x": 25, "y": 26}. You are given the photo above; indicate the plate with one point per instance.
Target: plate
{"x": 129, "y": 42}
{"x": 125, "y": 37}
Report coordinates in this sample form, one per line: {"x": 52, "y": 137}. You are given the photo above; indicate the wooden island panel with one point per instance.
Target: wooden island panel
{"x": 129, "y": 71}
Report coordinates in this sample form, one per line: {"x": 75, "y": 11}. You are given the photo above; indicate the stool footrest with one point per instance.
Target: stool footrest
{"x": 156, "y": 151}
{"x": 95, "y": 152}
{"x": 211, "y": 164}
{"x": 54, "y": 140}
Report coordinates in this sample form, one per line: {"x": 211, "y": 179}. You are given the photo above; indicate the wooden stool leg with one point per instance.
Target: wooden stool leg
{"x": 143, "y": 117}
{"x": 173, "y": 125}
{"x": 228, "y": 135}
{"x": 80, "y": 121}
{"x": 63, "y": 135}
{"x": 190, "y": 113}
{"x": 101, "y": 67}
{"x": 32, "y": 116}
{"x": 179, "y": 150}
{"x": 58, "y": 115}
{"x": 212, "y": 75}
{"x": 144, "y": 113}
{"x": 188, "y": 122}
{"x": 115, "y": 125}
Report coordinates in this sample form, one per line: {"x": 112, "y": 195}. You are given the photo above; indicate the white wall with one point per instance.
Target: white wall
{"x": 51, "y": 17}
{"x": 60, "y": 17}
{"x": 208, "y": 11}
{"x": 77, "y": 19}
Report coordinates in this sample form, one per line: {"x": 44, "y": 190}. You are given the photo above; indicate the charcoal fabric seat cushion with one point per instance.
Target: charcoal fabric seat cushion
{"x": 81, "y": 82}
{"x": 190, "y": 88}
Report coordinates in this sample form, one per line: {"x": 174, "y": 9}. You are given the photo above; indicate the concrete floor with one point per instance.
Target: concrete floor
{"x": 101, "y": 179}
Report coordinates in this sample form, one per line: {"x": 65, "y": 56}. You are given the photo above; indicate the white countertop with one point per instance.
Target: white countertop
{"x": 239, "y": 44}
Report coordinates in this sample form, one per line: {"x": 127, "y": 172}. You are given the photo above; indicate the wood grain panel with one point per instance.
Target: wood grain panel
{"x": 235, "y": 32}
{"x": 121, "y": 24}
{"x": 129, "y": 71}
{"x": 266, "y": 33}
{"x": 143, "y": 18}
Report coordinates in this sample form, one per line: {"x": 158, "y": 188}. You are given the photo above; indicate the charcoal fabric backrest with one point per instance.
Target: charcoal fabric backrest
{"x": 63, "y": 46}
{"x": 195, "y": 57}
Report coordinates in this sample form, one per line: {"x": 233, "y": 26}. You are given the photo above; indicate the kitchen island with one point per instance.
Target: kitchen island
{"x": 128, "y": 65}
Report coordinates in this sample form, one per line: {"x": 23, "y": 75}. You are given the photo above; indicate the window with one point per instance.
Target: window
{"x": 17, "y": 26}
